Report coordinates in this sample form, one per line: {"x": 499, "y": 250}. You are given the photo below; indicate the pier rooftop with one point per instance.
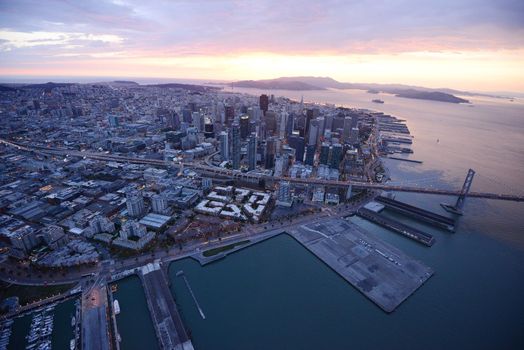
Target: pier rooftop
{"x": 378, "y": 270}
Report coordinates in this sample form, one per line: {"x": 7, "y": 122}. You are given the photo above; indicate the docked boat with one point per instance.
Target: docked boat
{"x": 116, "y": 307}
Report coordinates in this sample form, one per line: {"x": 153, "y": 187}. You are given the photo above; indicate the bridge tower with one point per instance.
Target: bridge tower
{"x": 457, "y": 208}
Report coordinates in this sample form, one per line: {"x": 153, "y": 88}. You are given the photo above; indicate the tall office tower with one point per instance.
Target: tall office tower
{"x": 313, "y": 133}
{"x": 173, "y": 121}
{"x": 338, "y": 123}
{"x": 353, "y": 137}
{"x": 347, "y": 129}
{"x": 186, "y": 115}
{"x": 252, "y": 151}
{"x": 209, "y": 130}
{"x": 310, "y": 154}
{"x": 196, "y": 119}
{"x": 135, "y": 204}
{"x": 309, "y": 117}
{"x": 284, "y": 194}
{"x": 262, "y": 130}
{"x": 279, "y": 166}
{"x": 224, "y": 146}
{"x": 264, "y": 103}
{"x": 298, "y": 143}
{"x": 159, "y": 204}
{"x": 290, "y": 124}
{"x": 192, "y": 136}
{"x": 328, "y": 125}
{"x": 192, "y": 106}
{"x": 229, "y": 112}
{"x": 271, "y": 145}
{"x": 244, "y": 126}
{"x": 254, "y": 113}
{"x": 235, "y": 143}
{"x": 354, "y": 120}
{"x": 271, "y": 123}
{"x": 321, "y": 127}
{"x": 324, "y": 153}
{"x": 252, "y": 126}
{"x": 282, "y": 125}
{"x": 336, "y": 156}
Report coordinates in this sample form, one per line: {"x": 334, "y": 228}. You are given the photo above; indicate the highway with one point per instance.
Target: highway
{"x": 207, "y": 170}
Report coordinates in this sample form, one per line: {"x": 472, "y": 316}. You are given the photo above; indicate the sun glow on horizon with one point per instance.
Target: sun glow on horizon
{"x": 493, "y": 70}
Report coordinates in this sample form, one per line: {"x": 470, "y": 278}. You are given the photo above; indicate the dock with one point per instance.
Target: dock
{"x": 398, "y": 227}
{"x": 181, "y": 273}
{"x": 406, "y": 160}
{"x": 95, "y": 331}
{"x": 381, "y": 272}
{"x": 429, "y": 217}
{"x": 166, "y": 319}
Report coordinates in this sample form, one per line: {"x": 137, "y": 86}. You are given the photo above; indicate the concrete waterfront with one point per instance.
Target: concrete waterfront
{"x": 378, "y": 270}
{"x": 168, "y": 324}
{"x": 95, "y": 331}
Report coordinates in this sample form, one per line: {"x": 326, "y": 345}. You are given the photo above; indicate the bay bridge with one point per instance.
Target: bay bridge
{"x": 207, "y": 170}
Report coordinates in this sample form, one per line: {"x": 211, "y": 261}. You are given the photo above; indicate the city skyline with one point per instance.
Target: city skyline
{"x": 469, "y": 45}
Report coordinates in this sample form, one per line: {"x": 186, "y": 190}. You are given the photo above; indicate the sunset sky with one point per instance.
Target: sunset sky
{"x": 464, "y": 44}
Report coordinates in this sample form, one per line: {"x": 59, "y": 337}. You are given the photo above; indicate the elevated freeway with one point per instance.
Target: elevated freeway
{"x": 211, "y": 171}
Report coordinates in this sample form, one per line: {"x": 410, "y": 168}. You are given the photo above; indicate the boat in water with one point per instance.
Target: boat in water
{"x": 116, "y": 307}
{"x": 377, "y": 101}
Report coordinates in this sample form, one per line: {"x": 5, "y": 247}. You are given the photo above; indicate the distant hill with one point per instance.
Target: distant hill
{"x": 4, "y": 88}
{"x": 191, "y": 87}
{"x": 277, "y": 84}
{"x": 431, "y": 95}
{"x": 322, "y": 83}
{"x": 46, "y": 86}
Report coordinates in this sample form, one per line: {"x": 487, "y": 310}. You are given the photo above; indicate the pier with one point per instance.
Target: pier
{"x": 166, "y": 319}
{"x": 418, "y": 213}
{"x": 395, "y": 226}
{"x": 406, "y": 160}
{"x": 378, "y": 270}
{"x": 181, "y": 273}
{"x": 95, "y": 331}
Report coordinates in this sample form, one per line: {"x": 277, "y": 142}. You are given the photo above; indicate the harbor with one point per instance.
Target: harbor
{"x": 47, "y": 327}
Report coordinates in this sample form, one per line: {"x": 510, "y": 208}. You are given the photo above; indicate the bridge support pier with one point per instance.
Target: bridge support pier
{"x": 457, "y": 208}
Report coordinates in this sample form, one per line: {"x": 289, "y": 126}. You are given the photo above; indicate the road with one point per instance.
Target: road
{"x": 216, "y": 171}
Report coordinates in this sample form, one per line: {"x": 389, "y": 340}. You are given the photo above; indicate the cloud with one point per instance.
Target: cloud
{"x": 15, "y": 40}
{"x": 69, "y": 33}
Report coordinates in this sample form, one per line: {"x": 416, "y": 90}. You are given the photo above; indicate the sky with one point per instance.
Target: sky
{"x": 464, "y": 44}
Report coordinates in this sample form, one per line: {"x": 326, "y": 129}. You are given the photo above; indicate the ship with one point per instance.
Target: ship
{"x": 377, "y": 101}
{"x": 116, "y": 307}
